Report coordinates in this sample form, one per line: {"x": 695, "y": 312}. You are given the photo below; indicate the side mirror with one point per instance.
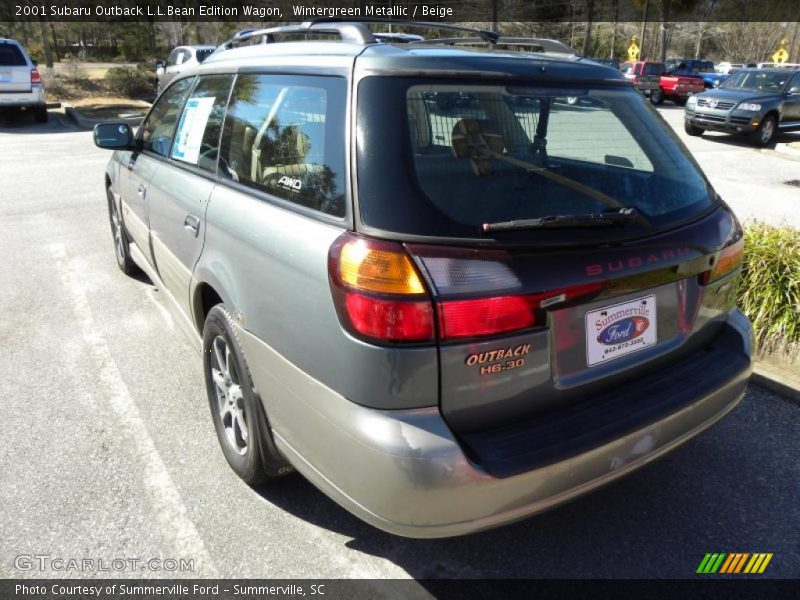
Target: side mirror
{"x": 160, "y": 64}
{"x": 114, "y": 136}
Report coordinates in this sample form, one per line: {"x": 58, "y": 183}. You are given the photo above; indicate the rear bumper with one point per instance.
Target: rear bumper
{"x": 35, "y": 97}
{"x": 404, "y": 471}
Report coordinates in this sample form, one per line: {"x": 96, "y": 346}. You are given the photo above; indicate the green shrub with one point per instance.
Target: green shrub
{"x": 129, "y": 82}
{"x": 769, "y": 293}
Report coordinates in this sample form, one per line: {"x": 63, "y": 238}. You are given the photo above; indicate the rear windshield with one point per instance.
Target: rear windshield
{"x": 11, "y": 56}
{"x": 654, "y": 69}
{"x": 473, "y": 154}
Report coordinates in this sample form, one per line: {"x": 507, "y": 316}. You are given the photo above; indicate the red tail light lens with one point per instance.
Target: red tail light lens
{"x": 484, "y": 316}
{"x": 35, "y": 77}
{"x": 502, "y": 314}
{"x": 390, "y": 320}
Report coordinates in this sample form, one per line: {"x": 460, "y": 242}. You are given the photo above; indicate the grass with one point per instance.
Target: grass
{"x": 769, "y": 292}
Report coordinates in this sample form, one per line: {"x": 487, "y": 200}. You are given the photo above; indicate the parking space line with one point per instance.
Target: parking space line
{"x": 173, "y": 520}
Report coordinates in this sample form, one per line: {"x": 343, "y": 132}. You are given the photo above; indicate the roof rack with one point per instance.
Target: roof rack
{"x": 546, "y": 44}
{"x": 484, "y": 34}
{"x": 353, "y": 32}
{"x": 349, "y": 30}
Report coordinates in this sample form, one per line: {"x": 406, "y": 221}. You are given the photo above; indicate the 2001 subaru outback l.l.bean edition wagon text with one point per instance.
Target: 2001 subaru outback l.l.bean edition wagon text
{"x": 445, "y": 318}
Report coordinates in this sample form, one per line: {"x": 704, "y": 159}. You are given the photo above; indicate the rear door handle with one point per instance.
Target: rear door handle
{"x": 142, "y": 191}
{"x": 192, "y": 225}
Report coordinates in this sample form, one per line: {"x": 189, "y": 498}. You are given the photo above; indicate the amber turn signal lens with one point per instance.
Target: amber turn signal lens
{"x": 729, "y": 259}
{"x": 371, "y": 269}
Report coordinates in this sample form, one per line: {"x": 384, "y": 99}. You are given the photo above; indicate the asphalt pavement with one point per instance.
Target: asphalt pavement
{"x": 108, "y": 450}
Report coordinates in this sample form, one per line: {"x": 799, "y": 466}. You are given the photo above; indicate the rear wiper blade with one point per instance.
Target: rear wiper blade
{"x": 605, "y": 219}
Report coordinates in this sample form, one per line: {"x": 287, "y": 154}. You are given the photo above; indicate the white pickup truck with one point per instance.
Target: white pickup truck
{"x": 20, "y": 83}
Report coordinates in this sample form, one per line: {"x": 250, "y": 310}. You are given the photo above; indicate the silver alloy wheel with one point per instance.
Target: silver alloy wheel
{"x": 116, "y": 228}
{"x": 228, "y": 391}
{"x": 767, "y": 129}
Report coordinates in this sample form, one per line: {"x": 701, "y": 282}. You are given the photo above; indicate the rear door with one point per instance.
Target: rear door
{"x": 15, "y": 70}
{"x": 179, "y": 191}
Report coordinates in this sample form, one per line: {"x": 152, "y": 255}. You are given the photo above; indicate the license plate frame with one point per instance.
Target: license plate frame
{"x": 636, "y": 329}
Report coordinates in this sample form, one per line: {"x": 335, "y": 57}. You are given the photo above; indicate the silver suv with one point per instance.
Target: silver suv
{"x": 181, "y": 59}
{"x": 446, "y": 318}
{"x": 20, "y": 83}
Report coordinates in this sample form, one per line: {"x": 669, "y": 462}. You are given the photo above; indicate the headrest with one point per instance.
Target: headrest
{"x": 476, "y": 140}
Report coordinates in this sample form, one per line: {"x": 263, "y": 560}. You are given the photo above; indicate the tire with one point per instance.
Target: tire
{"x": 40, "y": 114}
{"x": 236, "y": 410}
{"x": 657, "y": 97}
{"x": 766, "y": 131}
{"x": 692, "y": 130}
{"x": 120, "y": 238}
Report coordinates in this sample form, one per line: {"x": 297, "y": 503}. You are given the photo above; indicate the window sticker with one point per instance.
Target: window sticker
{"x": 191, "y": 127}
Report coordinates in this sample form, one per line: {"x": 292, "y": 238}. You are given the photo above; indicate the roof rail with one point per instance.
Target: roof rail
{"x": 484, "y": 34}
{"x": 546, "y": 44}
{"x": 350, "y": 30}
{"x": 353, "y": 32}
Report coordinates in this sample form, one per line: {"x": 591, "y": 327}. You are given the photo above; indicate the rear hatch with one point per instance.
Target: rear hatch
{"x": 15, "y": 73}
{"x": 569, "y": 242}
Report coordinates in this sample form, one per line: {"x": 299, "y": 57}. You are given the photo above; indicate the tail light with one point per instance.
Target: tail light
{"x": 728, "y": 260}
{"x": 35, "y": 77}
{"x": 378, "y": 293}
{"x": 381, "y": 296}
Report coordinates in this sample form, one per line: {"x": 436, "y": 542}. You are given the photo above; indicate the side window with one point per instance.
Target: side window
{"x": 200, "y": 125}
{"x": 285, "y": 135}
{"x": 157, "y": 129}
{"x": 172, "y": 59}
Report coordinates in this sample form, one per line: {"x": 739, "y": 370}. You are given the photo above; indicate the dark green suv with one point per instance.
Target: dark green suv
{"x": 755, "y": 102}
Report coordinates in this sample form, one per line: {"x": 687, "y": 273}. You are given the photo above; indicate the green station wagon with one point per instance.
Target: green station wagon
{"x": 445, "y": 316}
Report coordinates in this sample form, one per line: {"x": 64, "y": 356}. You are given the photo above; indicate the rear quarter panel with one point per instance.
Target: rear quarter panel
{"x": 270, "y": 265}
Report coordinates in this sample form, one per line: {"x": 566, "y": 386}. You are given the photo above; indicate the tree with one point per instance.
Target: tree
{"x": 48, "y": 55}
{"x": 587, "y": 34}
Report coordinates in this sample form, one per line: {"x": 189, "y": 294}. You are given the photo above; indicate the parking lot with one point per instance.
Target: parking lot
{"x": 109, "y": 451}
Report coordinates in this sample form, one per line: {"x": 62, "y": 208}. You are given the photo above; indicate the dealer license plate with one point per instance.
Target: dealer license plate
{"x": 620, "y": 329}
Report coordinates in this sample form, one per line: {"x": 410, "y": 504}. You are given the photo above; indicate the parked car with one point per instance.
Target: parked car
{"x": 755, "y": 102}
{"x": 181, "y": 59}
{"x": 726, "y": 68}
{"x": 20, "y": 82}
{"x": 678, "y": 88}
{"x": 704, "y": 69}
{"x": 446, "y": 322}
{"x": 645, "y": 77}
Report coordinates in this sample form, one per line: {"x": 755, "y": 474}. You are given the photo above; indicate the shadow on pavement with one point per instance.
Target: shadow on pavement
{"x": 710, "y": 495}
{"x": 741, "y": 141}
{"x": 23, "y": 121}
